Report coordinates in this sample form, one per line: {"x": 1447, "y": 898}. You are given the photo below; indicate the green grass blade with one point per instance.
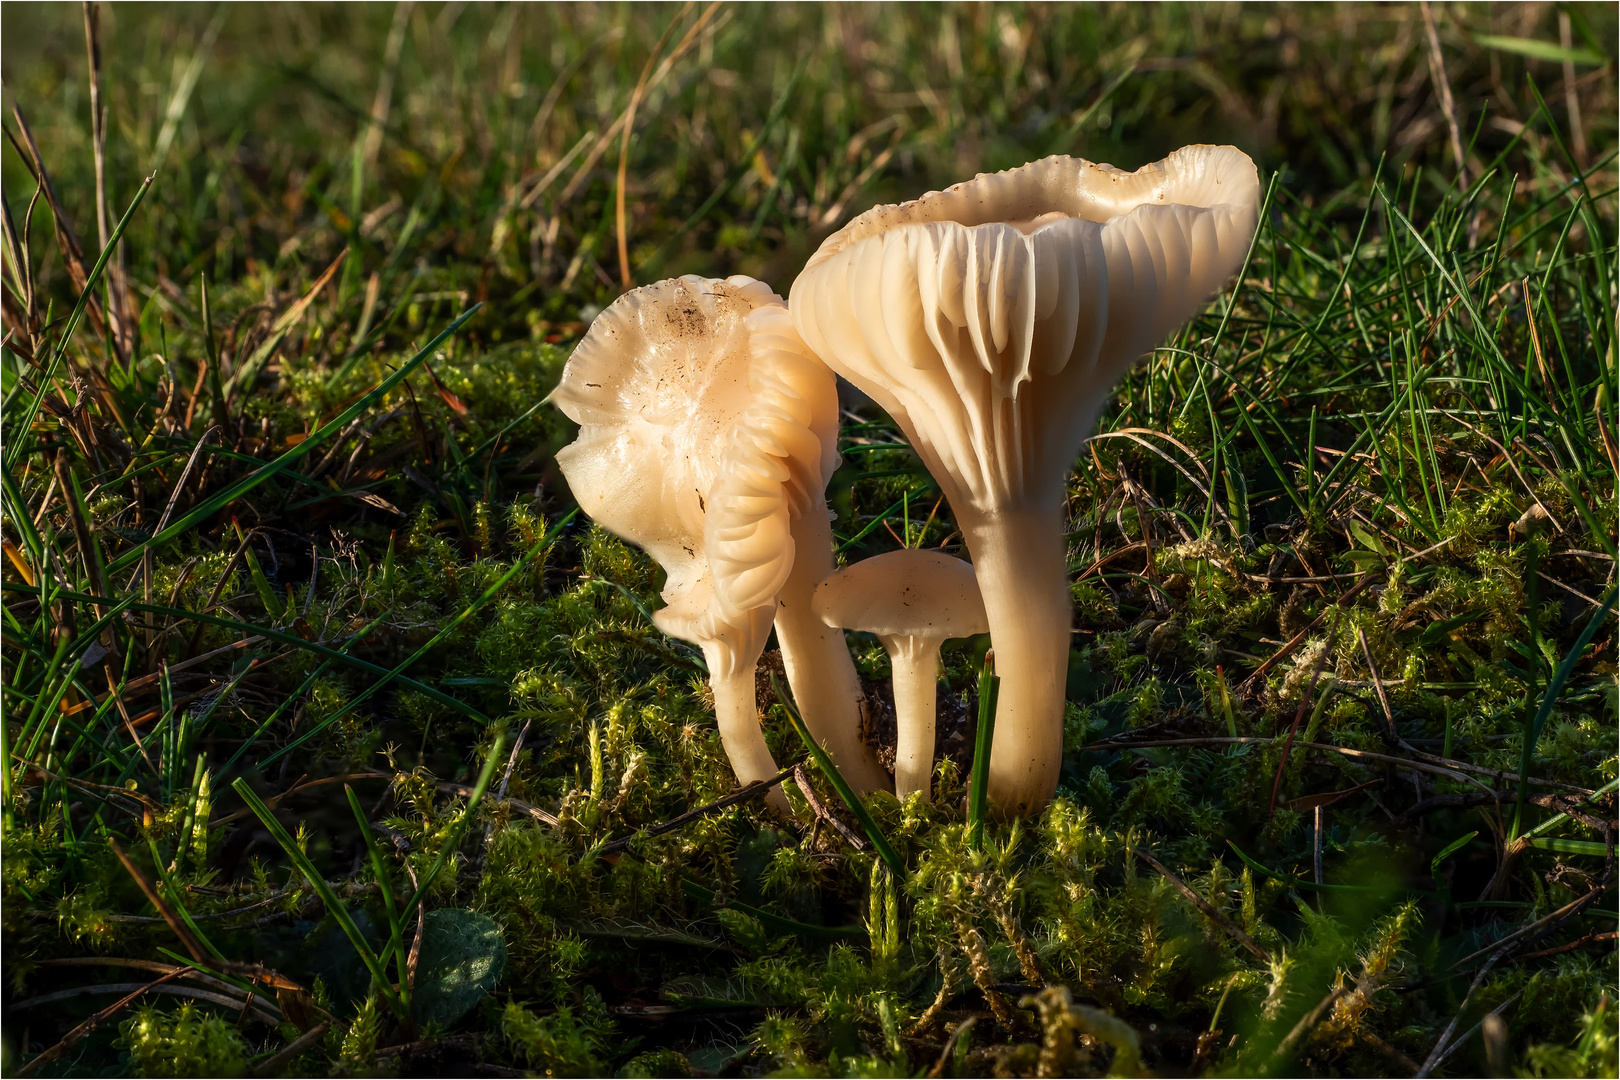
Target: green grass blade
{"x": 217, "y": 502}
{"x": 1449, "y": 850}
{"x": 296, "y": 695}
{"x": 824, "y": 762}
{"x": 1554, "y": 688}
{"x": 385, "y": 882}
{"x": 450, "y": 627}
{"x": 984, "y": 739}
{"x": 280, "y": 638}
{"x": 458, "y": 830}
{"x": 1572, "y": 847}
{"x": 339, "y": 912}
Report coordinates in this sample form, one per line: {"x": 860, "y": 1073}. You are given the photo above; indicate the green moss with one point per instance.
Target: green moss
{"x": 184, "y": 1041}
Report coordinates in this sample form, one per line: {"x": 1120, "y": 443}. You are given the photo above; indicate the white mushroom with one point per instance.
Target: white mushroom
{"x": 695, "y": 445}
{"x": 769, "y": 538}
{"x": 656, "y": 386}
{"x": 991, "y": 321}
{"x": 913, "y": 601}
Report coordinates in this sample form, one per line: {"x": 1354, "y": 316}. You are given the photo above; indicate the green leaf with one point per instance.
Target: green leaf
{"x": 1449, "y": 850}
{"x": 1571, "y": 847}
{"x": 463, "y": 957}
{"x": 1539, "y": 50}
{"x": 1368, "y": 540}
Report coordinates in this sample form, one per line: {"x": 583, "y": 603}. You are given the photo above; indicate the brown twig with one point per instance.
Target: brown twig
{"x": 181, "y": 930}
{"x": 274, "y": 1065}
{"x": 1206, "y": 907}
{"x": 1596, "y": 937}
{"x": 742, "y": 794}
{"x": 73, "y": 1037}
{"x": 802, "y": 779}
{"x": 1546, "y": 922}
{"x": 1378, "y": 686}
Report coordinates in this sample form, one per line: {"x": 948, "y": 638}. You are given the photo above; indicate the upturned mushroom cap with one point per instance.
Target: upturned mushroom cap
{"x": 908, "y": 593}
{"x": 658, "y": 386}
{"x": 781, "y": 450}
{"x": 951, "y": 309}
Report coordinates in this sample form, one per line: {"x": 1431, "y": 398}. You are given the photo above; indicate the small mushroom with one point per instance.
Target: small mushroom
{"x": 656, "y": 386}
{"x": 707, "y": 433}
{"x": 913, "y": 601}
{"x": 769, "y": 537}
{"x": 991, "y": 321}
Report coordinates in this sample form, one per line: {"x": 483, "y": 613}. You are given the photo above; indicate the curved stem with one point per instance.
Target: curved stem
{"x": 916, "y": 692}
{"x": 1018, "y": 558}
{"x": 817, "y": 661}
{"x": 740, "y": 731}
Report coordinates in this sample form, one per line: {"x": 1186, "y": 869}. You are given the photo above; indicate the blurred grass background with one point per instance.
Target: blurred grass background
{"x": 1410, "y": 391}
{"x": 281, "y": 134}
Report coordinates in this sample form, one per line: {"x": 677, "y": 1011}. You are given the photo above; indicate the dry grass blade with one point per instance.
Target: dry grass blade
{"x": 181, "y": 930}
{"x": 75, "y": 1036}
{"x": 741, "y": 795}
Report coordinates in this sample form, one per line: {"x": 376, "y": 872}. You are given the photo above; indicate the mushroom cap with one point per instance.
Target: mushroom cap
{"x": 695, "y": 444}
{"x": 907, "y": 593}
{"x": 992, "y": 319}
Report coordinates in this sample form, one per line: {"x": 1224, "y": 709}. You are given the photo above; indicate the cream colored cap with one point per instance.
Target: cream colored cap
{"x": 905, "y": 593}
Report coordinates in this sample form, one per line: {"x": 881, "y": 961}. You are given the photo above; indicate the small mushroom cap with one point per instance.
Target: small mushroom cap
{"x": 905, "y": 593}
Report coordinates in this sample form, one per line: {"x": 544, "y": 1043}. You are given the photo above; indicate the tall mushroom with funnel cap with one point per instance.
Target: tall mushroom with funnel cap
{"x": 913, "y": 601}
{"x": 991, "y": 320}
{"x": 670, "y": 395}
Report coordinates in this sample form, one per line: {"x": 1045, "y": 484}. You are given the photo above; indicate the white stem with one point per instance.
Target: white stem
{"x": 1018, "y": 558}
{"x": 819, "y": 670}
{"x": 916, "y": 691}
{"x": 740, "y": 731}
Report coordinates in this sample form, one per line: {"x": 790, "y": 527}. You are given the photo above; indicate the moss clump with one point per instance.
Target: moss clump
{"x": 183, "y": 1041}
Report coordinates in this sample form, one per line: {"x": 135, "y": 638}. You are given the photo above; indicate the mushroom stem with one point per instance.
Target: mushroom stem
{"x": 737, "y": 714}
{"x": 1018, "y": 559}
{"x": 915, "y": 663}
{"x": 816, "y": 659}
